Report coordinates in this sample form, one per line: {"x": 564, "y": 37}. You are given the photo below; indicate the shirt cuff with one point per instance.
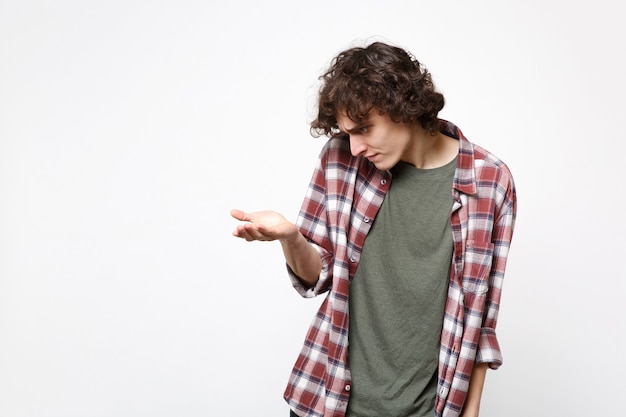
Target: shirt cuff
{"x": 489, "y": 348}
{"x": 323, "y": 282}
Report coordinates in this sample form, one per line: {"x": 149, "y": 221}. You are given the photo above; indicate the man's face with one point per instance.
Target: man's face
{"x": 379, "y": 139}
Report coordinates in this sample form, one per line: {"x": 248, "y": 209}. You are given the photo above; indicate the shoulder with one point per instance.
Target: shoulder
{"x": 336, "y": 163}
{"x": 336, "y": 155}
{"x": 489, "y": 167}
{"x": 337, "y": 148}
{"x": 473, "y": 157}
{"x": 494, "y": 181}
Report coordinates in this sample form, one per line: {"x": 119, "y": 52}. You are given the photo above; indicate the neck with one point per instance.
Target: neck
{"x": 429, "y": 151}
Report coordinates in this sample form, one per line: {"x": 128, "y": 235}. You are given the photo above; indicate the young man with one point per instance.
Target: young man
{"x": 407, "y": 226}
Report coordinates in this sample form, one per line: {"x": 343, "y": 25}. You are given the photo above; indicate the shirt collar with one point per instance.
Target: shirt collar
{"x": 464, "y": 177}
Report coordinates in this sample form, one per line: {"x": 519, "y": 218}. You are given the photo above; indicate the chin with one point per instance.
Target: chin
{"x": 382, "y": 166}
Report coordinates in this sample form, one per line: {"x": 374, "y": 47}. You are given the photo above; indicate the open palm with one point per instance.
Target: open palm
{"x": 263, "y": 225}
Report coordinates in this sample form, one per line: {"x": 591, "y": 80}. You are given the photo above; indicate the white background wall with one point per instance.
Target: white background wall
{"x": 128, "y": 129}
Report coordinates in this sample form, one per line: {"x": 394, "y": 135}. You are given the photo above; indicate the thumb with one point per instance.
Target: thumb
{"x": 239, "y": 214}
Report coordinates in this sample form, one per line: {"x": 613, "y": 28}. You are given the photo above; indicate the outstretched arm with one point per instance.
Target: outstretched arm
{"x": 267, "y": 225}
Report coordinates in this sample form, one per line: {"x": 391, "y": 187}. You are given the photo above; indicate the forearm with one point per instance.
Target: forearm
{"x": 302, "y": 258}
{"x": 474, "y": 394}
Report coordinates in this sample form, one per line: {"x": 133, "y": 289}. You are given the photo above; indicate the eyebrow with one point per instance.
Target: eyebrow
{"x": 355, "y": 128}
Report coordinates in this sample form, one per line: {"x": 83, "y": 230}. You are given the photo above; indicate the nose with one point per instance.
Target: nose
{"x": 357, "y": 146}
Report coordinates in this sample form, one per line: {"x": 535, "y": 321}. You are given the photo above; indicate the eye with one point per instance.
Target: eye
{"x": 363, "y": 130}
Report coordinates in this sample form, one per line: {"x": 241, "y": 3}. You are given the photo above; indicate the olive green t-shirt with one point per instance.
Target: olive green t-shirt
{"x": 397, "y": 297}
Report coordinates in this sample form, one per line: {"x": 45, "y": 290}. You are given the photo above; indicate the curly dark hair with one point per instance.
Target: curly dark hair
{"x": 382, "y": 77}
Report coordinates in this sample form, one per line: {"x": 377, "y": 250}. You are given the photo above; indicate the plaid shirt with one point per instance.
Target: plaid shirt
{"x": 341, "y": 203}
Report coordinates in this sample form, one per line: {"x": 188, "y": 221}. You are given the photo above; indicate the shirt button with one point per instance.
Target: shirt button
{"x": 383, "y": 181}
{"x": 366, "y": 220}
{"x": 352, "y": 259}
{"x": 348, "y": 387}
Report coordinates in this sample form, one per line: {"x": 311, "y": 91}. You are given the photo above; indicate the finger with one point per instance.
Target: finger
{"x": 256, "y": 232}
{"x": 239, "y": 232}
{"x": 267, "y": 233}
{"x": 239, "y": 214}
{"x": 244, "y": 234}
